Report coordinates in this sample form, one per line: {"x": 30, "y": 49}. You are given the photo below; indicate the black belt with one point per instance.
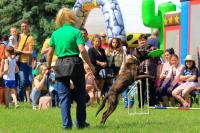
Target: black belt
{"x": 68, "y": 56}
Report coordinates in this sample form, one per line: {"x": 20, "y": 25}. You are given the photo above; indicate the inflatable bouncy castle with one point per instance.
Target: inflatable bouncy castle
{"x": 179, "y": 29}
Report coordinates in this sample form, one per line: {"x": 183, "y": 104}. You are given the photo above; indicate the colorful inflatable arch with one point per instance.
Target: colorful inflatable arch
{"x": 111, "y": 12}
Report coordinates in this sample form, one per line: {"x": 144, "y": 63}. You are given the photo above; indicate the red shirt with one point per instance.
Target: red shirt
{"x": 2, "y": 51}
{"x": 104, "y": 46}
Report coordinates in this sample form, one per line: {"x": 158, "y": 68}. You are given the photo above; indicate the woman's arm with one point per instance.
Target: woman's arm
{"x": 177, "y": 77}
{"x": 49, "y": 57}
{"x": 184, "y": 77}
{"x": 192, "y": 78}
{"x": 85, "y": 56}
{"x": 39, "y": 84}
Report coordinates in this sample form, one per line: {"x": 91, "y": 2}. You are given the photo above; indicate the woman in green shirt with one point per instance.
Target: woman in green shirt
{"x": 68, "y": 43}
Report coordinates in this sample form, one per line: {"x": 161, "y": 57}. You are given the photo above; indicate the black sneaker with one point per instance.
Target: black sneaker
{"x": 86, "y": 125}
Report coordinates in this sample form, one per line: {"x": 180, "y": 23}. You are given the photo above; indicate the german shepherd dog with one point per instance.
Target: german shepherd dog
{"x": 123, "y": 80}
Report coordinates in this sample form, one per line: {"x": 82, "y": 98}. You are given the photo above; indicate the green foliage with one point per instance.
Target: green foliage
{"x": 39, "y": 13}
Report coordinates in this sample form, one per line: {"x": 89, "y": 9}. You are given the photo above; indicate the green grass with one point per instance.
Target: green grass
{"x": 26, "y": 120}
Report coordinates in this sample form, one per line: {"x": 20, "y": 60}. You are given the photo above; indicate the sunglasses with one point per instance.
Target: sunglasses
{"x": 103, "y": 36}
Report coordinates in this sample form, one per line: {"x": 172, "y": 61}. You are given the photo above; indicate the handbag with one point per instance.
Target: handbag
{"x": 106, "y": 73}
{"x": 64, "y": 68}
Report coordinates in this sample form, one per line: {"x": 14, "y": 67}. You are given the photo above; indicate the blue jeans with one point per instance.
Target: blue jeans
{"x": 79, "y": 95}
{"x": 125, "y": 96}
{"x": 55, "y": 98}
{"x": 25, "y": 79}
{"x": 35, "y": 95}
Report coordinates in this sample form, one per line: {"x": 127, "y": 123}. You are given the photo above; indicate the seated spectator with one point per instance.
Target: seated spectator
{"x": 171, "y": 80}
{"x": 189, "y": 81}
{"x": 38, "y": 85}
{"x": 10, "y": 69}
{"x": 91, "y": 86}
{"x": 164, "y": 71}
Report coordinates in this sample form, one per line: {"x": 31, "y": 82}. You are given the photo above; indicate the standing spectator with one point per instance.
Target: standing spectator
{"x": 98, "y": 59}
{"x": 148, "y": 66}
{"x": 13, "y": 38}
{"x": 10, "y": 68}
{"x": 154, "y": 39}
{"x": 38, "y": 85}
{"x": 88, "y": 43}
{"x": 189, "y": 81}
{"x": 104, "y": 44}
{"x": 25, "y": 48}
{"x": 115, "y": 55}
{"x": 2, "y": 57}
{"x": 68, "y": 43}
{"x": 45, "y": 49}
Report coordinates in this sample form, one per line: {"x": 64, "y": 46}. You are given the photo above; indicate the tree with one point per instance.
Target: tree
{"x": 39, "y": 13}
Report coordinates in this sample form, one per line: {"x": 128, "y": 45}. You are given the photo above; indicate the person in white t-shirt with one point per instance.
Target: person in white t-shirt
{"x": 10, "y": 68}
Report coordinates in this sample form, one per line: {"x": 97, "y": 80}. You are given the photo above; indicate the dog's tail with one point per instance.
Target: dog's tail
{"x": 102, "y": 105}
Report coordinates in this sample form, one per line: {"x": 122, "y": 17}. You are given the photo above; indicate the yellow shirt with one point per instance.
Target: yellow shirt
{"x": 30, "y": 42}
{"x": 46, "y": 46}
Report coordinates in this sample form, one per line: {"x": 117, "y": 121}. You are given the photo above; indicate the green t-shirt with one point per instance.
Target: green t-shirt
{"x": 65, "y": 40}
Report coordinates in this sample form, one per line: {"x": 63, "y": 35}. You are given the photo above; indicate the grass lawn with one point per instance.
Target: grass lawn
{"x": 26, "y": 120}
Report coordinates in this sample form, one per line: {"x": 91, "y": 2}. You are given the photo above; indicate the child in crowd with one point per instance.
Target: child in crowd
{"x": 91, "y": 86}
{"x": 13, "y": 38}
{"x": 10, "y": 69}
{"x": 189, "y": 81}
{"x": 38, "y": 85}
{"x": 171, "y": 80}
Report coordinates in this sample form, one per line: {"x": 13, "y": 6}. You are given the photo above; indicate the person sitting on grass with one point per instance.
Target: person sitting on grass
{"x": 10, "y": 69}
{"x": 171, "y": 81}
{"x": 189, "y": 82}
{"x": 38, "y": 85}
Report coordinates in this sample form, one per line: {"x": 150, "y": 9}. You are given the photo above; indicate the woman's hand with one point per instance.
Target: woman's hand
{"x": 104, "y": 64}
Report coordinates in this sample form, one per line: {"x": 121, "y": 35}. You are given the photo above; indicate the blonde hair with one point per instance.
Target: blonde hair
{"x": 65, "y": 16}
